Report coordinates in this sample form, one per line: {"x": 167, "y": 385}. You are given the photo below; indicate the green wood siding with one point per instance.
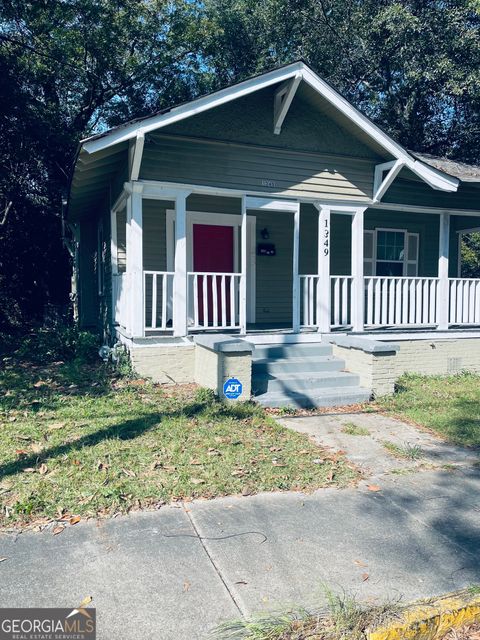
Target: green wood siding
{"x": 257, "y": 169}
{"x": 416, "y": 193}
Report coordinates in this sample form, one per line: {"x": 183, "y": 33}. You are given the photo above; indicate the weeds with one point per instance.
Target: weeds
{"x": 406, "y": 450}
{"x": 353, "y": 429}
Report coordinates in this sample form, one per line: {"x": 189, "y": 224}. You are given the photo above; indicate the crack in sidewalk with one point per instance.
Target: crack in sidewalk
{"x": 240, "y": 608}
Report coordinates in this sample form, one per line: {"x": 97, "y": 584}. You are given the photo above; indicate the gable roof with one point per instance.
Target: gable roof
{"x": 433, "y": 176}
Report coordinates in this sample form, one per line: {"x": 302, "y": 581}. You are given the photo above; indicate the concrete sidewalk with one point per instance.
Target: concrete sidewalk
{"x": 151, "y": 576}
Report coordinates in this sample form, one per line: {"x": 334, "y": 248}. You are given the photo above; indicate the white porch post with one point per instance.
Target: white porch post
{"x": 358, "y": 290}
{"x": 134, "y": 239}
{"x": 296, "y": 279}
{"x": 443, "y": 285}
{"x": 243, "y": 269}
{"x": 323, "y": 269}
{"x": 180, "y": 277}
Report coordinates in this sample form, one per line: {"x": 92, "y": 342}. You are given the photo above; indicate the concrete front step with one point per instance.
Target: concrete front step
{"x": 335, "y": 397}
{"x": 291, "y": 350}
{"x": 285, "y": 366}
{"x": 303, "y": 382}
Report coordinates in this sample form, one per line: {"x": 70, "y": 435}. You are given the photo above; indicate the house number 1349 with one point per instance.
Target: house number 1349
{"x": 326, "y": 242}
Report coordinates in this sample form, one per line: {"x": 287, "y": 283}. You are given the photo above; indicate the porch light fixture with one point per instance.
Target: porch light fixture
{"x": 265, "y": 233}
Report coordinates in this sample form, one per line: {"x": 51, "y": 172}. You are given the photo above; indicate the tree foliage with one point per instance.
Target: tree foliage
{"x": 71, "y": 67}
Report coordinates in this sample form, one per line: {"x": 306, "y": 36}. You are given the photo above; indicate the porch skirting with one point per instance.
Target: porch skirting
{"x": 210, "y": 360}
{"x": 380, "y": 368}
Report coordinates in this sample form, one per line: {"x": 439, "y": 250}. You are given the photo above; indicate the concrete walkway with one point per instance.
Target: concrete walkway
{"x": 175, "y": 573}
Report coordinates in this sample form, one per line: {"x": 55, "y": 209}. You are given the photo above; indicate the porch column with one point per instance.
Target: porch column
{"x": 358, "y": 289}
{"x": 243, "y": 269}
{"x": 296, "y": 279}
{"x": 323, "y": 269}
{"x": 443, "y": 298}
{"x": 180, "y": 277}
{"x": 134, "y": 241}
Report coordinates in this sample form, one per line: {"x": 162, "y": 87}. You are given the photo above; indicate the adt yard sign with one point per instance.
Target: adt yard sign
{"x": 232, "y": 388}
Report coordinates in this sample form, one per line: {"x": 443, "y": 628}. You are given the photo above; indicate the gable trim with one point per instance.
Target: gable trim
{"x": 433, "y": 177}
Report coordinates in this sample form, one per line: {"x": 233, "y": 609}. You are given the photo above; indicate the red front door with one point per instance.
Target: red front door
{"x": 213, "y": 252}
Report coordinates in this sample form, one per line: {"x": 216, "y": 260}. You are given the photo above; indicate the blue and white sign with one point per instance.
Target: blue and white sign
{"x": 232, "y": 388}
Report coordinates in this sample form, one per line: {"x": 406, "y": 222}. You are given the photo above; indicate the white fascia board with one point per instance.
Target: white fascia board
{"x": 436, "y": 179}
{"x": 193, "y": 108}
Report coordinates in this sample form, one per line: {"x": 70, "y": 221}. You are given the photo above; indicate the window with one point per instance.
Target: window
{"x": 391, "y": 253}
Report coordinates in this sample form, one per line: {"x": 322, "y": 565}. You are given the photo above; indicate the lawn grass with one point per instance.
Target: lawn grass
{"x": 449, "y": 405}
{"x": 76, "y": 439}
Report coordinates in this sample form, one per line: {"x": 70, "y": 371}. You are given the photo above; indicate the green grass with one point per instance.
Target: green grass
{"x": 344, "y": 619}
{"x": 353, "y": 429}
{"x": 75, "y": 439}
{"x": 448, "y": 405}
{"x": 405, "y": 450}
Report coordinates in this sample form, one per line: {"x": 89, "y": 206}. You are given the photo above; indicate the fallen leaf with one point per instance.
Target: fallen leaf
{"x": 194, "y": 461}
{"x": 57, "y": 530}
{"x": 197, "y": 481}
{"x": 247, "y": 491}
{"x": 36, "y": 447}
{"x": 129, "y": 473}
{"x": 12, "y": 418}
{"x": 56, "y": 425}
{"x": 43, "y": 469}
{"x": 40, "y": 383}
{"x": 74, "y": 520}
{"x": 186, "y": 585}
{"x": 365, "y": 577}
{"x": 238, "y": 473}
{"x": 21, "y": 452}
{"x": 374, "y": 487}
{"x": 359, "y": 563}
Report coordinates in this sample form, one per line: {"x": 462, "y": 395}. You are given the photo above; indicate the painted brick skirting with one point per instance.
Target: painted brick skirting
{"x": 379, "y": 371}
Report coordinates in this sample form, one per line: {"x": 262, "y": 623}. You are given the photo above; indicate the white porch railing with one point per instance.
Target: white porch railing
{"x": 341, "y": 292}
{"x": 341, "y": 289}
{"x": 120, "y": 298}
{"x": 464, "y": 301}
{"x": 213, "y": 300}
{"x": 394, "y": 301}
{"x": 308, "y": 300}
{"x": 158, "y": 294}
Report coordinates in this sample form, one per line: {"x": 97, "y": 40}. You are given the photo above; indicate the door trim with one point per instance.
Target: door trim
{"x": 218, "y": 219}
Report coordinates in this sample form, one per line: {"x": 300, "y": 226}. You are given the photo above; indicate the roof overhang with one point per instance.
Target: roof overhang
{"x": 298, "y": 70}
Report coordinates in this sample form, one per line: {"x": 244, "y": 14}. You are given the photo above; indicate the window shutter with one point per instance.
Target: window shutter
{"x": 368, "y": 253}
{"x": 413, "y": 241}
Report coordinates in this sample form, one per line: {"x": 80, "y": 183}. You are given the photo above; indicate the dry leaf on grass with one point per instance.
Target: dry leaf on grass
{"x": 197, "y": 481}
{"x": 43, "y": 469}
{"x": 56, "y": 425}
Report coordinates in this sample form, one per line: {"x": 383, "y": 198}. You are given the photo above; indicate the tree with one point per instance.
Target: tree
{"x": 411, "y": 65}
{"x": 67, "y": 68}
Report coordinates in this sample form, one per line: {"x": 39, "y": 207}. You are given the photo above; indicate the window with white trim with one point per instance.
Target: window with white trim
{"x": 390, "y": 252}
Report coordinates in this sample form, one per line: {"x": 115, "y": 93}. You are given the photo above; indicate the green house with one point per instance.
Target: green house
{"x": 271, "y": 210}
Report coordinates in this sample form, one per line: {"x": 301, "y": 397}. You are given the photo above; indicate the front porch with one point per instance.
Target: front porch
{"x": 191, "y": 260}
